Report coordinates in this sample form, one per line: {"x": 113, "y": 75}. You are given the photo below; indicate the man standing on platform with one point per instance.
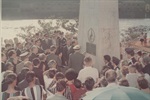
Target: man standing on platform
{"x": 76, "y": 59}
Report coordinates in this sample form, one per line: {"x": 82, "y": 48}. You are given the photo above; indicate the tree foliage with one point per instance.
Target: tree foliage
{"x": 49, "y": 26}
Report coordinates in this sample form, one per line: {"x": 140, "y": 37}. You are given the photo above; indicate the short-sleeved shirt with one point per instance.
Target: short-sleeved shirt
{"x": 88, "y": 72}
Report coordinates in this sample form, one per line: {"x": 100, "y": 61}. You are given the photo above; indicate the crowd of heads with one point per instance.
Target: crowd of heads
{"x": 32, "y": 57}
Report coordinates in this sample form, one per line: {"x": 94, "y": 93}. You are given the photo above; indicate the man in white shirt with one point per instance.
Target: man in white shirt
{"x": 88, "y": 71}
{"x": 132, "y": 76}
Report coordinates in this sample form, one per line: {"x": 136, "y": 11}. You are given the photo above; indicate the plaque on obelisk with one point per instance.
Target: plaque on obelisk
{"x": 99, "y": 29}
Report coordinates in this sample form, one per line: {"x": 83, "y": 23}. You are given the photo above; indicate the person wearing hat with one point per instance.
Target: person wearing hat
{"x": 130, "y": 55}
{"x": 76, "y": 59}
{"x": 24, "y": 57}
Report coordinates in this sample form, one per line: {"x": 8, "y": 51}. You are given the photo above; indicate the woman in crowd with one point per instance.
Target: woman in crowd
{"x": 33, "y": 91}
{"x": 11, "y": 80}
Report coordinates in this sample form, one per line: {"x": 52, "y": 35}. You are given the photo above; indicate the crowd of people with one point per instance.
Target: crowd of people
{"x": 34, "y": 69}
{"x": 143, "y": 39}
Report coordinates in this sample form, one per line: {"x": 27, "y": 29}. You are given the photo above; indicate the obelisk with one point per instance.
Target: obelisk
{"x": 99, "y": 29}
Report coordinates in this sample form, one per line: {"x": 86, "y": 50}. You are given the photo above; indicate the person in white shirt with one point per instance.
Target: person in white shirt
{"x": 111, "y": 77}
{"x": 88, "y": 71}
{"x": 132, "y": 76}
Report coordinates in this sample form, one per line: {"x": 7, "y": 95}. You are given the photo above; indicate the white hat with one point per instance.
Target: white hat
{"x": 77, "y": 47}
{"x": 24, "y": 54}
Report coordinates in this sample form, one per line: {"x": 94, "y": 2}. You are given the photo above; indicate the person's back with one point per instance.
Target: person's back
{"x": 19, "y": 67}
{"x": 132, "y": 76}
{"x": 76, "y": 61}
{"x": 88, "y": 71}
{"x": 52, "y": 56}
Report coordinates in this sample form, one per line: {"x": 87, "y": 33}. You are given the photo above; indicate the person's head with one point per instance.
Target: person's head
{"x": 8, "y": 46}
{"x": 16, "y": 40}
{"x": 19, "y": 45}
{"x": 59, "y": 76}
{"x": 46, "y": 36}
{"x": 29, "y": 65}
{"x": 30, "y": 77}
{"x": 34, "y": 49}
{"x": 115, "y": 61}
{"x": 6, "y": 41}
{"x": 123, "y": 82}
{"x": 124, "y": 71}
{"x": 103, "y": 82}
{"x": 88, "y": 61}
{"x": 53, "y": 49}
{"x": 11, "y": 79}
{"x": 139, "y": 67}
{"x": 123, "y": 63}
{"x": 77, "y": 83}
{"x": 139, "y": 53}
{"x": 74, "y": 43}
{"x": 132, "y": 69}
{"x": 107, "y": 59}
{"x": 36, "y": 61}
{"x": 146, "y": 60}
{"x": 143, "y": 83}
{"x": 52, "y": 72}
{"x": 61, "y": 34}
{"x": 42, "y": 57}
{"x": 105, "y": 68}
{"x": 70, "y": 74}
{"x": 24, "y": 56}
{"x": 77, "y": 48}
{"x": 52, "y": 64}
{"x": 142, "y": 33}
{"x": 3, "y": 49}
{"x": 6, "y": 73}
{"x": 129, "y": 52}
{"x": 27, "y": 45}
{"x": 37, "y": 35}
{"x": 9, "y": 66}
{"x": 111, "y": 76}
{"x": 61, "y": 86}
{"x": 27, "y": 40}
{"x": 3, "y": 57}
{"x": 24, "y": 71}
{"x": 12, "y": 54}
{"x": 89, "y": 83}
{"x": 38, "y": 42}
